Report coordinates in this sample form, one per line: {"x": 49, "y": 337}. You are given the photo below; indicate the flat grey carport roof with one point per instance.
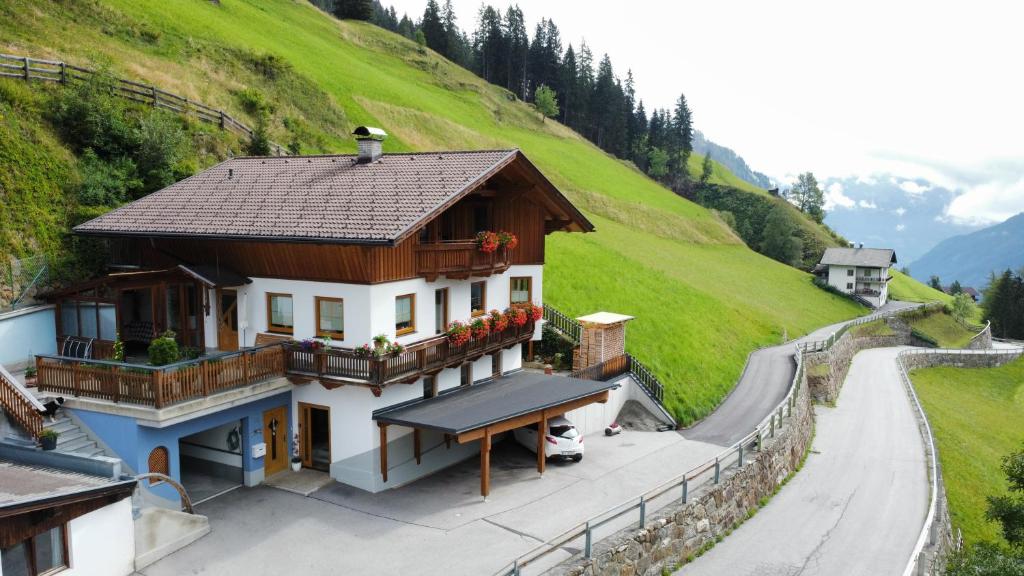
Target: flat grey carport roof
{"x": 470, "y": 407}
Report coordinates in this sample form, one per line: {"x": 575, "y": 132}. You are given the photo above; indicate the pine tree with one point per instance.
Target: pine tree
{"x": 406, "y": 28}
{"x": 489, "y": 46}
{"x": 516, "y": 46}
{"x": 935, "y": 282}
{"x": 955, "y": 288}
{"x": 433, "y": 28}
{"x": 680, "y": 142}
{"x": 568, "y": 87}
{"x": 353, "y": 9}
{"x": 705, "y": 170}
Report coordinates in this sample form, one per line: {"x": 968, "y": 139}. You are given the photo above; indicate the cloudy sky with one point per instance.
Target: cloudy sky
{"x": 916, "y": 89}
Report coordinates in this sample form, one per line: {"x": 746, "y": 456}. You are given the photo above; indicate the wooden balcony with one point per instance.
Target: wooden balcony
{"x": 346, "y": 366}
{"x": 160, "y": 386}
{"x": 458, "y": 259}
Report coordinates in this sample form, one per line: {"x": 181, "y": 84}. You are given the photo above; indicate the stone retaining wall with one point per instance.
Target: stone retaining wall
{"x": 679, "y": 530}
{"x": 982, "y": 359}
{"x": 983, "y": 341}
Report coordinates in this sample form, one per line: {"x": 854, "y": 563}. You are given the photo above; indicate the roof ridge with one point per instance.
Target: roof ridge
{"x": 353, "y": 155}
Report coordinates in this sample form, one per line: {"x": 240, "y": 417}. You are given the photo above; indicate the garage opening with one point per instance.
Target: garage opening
{"x": 211, "y": 461}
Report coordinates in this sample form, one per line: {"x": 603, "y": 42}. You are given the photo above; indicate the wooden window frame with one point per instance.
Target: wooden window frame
{"x": 529, "y": 289}
{"x": 327, "y": 333}
{"x": 483, "y": 299}
{"x": 271, "y": 327}
{"x": 30, "y": 551}
{"x": 412, "y": 315}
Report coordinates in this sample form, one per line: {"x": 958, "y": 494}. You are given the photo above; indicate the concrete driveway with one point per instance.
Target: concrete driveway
{"x": 437, "y": 525}
{"x": 761, "y": 387}
{"x": 857, "y": 506}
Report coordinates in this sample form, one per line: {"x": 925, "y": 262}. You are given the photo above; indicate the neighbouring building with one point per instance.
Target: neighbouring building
{"x": 55, "y": 520}
{"x": 862, "y": 272}
{"x": 320, "y": 297}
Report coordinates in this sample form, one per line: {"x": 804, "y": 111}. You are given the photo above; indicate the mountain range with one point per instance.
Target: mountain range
{"x": 730, "y": 159}
{"x": 971, "y": 258}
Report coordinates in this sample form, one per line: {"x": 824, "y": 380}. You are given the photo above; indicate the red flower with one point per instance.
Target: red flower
{"x": 481, "y": 327}
{"x": 508, "y": 240}
{"x": 499, "y": 321}
{"x": 518, "y": 317}
{"x": 487, "y": 242}
{"x": 458, "y": 333}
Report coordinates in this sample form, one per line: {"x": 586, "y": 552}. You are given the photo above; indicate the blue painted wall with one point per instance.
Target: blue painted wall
{"x": 24, "y": 333}
{"x": 133, "y": 442}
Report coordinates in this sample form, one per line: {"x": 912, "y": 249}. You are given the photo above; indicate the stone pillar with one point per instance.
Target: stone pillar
{"x": 603, "y": 337}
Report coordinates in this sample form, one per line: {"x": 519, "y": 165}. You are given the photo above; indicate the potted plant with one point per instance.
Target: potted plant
{"x": 499, "y": 321}
{"x": 296, "y": 455}
{"x": 486, "y": 242}
{"x": 458, "y": 333}
{"x": 48, "y": 439}
{"x": 517, "y": 317}
{"x": 30, "y": 376}
{"x": 380, "y": 341}
{"x": 364, "y": 351}
{"x": 507, "y": 240}
{"x": 480, "y": 327}
{"x": 393, "y": 349}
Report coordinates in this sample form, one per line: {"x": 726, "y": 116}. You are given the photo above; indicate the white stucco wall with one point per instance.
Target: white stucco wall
{"x": 838, "y": 277}
{"x": 102, "y": 542}
{"x": 26, "y": 332}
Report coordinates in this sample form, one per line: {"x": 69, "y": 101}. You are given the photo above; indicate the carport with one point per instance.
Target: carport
{"x": 479, "y": 412}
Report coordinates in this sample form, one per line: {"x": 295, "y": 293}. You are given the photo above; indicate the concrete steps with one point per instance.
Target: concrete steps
{"x": 72, "y": 439}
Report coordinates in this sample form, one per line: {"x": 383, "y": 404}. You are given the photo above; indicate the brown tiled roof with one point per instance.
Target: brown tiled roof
{"x": 309, "y": 198}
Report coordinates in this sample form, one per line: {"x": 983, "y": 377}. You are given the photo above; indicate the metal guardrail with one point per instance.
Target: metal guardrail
{"x": 929, "y": 532}
{"x": 25, "y": 68}
{"x": 710, "y": 472}
{"x": 567, "y": 326}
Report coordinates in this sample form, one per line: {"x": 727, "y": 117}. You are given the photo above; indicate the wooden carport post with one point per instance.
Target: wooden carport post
{"x": 485, "y": 463}
{"x": 542, "y": 430}
{"x": 383, "y": 450}
{"x": 416, "y": 444}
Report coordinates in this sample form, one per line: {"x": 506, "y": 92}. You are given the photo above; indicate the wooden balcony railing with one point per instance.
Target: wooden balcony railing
{"x": 458, "y": 259}
{"x": 158, "y": 386}
{"x": 21, "y": 409}
{"x": 161, "y": 386}
{"x": 426, "y": 356}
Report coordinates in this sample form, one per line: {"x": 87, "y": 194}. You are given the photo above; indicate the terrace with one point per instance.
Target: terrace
{"x": 161, "y": 386}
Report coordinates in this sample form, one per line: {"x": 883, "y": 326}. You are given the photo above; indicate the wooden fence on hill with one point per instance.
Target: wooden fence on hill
{"x": 25, "y": 68}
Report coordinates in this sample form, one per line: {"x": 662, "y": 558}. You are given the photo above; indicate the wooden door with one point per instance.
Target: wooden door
{"x": 315, "y": 431}
{"x": 275, "y": 436}
{"x": 227, "y": 320}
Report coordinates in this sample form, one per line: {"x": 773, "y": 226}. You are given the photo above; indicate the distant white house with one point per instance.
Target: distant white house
{"x": 863, "y": 272}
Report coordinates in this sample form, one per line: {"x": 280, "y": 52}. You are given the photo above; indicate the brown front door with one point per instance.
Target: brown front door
{"x": 227, "y": 320}
{"x": 275, "y": 436}
{"x": 315, "y": 427}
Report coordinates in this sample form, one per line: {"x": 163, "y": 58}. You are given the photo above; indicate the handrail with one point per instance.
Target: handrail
{"x": 127, "y": 89}
{"x": 186, "y": 502}
{"x": 20, "y": 404}
{"x": 933, "y": 469}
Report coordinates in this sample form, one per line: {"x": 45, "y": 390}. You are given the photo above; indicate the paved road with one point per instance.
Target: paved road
{"x": 762, "y": 386}
{"x": 857, "y": 506}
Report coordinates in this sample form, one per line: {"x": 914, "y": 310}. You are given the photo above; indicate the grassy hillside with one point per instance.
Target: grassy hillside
{"x": 943, "y": 329}
{"x": 702, "y": 299}
{"x": 957, "y": 400}
{"x": 903, "y": 287}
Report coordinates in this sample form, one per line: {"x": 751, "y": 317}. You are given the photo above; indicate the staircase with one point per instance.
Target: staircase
{"x": 72, "y": 439}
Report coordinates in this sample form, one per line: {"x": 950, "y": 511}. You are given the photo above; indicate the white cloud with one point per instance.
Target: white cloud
{"x": 868, "y": 204}
{"x": 834, "y": 197}
{"x": 900, "y": 227}
{"x": 900, "y": 211}
{"x": 913, "y": 188}
{"x": 987, "y": 203}
{"x": 868, "y": 180}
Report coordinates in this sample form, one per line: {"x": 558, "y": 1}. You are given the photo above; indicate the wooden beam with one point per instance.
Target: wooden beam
{"x": 542, "y": 432}
{"x": 416, "y": 444}
{"x": 448, "y": 441}
{"x": 485, "y": 464}
{"x": 532, "y": 417}
{"x": 383, "y": 450}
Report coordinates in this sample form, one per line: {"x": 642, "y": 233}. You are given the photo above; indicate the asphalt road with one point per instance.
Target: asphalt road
{"x": 857, "y": 506}
{"x": 761, "y": 387}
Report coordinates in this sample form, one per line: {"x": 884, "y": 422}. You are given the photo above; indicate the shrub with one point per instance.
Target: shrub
{"x": 552, "y": 343}
{"x": 163, "y": 350}
{"x": 106, "y": 183}
{"x": 88, "y": 115}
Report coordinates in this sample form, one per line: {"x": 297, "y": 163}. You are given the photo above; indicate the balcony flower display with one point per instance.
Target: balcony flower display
{"x": 499, "y": 321}
{"x": 393, "y": 349}
{"x": 517, "y": 316}
{"x": 536, "y": 312}
{"x": 311, "y": 345}
{"x": 458, "y": 333}
{"x": 507, "y": 240}
{"x": 487, "y": 242}
{"x": 480, "y": 327}
{"x": 364, "y": 350}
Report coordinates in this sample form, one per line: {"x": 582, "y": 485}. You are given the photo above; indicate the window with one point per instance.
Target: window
{"x": 496, "y": 364}
{"x": 440, "y": 310}
{"x": 520, "y": 289}
{"x": 405, "y": 314}
{"x": 467, "y": 374}
{"x": 159, "y": 463}
{"x": 849, "y": 272}
{"x": 330, "y": 317}
{"x": 429, "y": 387}
{"x": 43, "y": 553}
{"x": 279, "y": 313}
{"x": 849, "y": 285}
{"x": 478, "y": 297}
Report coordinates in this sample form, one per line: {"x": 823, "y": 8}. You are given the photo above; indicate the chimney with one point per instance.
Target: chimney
{"x": 371, "y": 143}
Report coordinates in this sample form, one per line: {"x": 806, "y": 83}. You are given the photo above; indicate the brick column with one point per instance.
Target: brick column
{"x": 602, "y": 338}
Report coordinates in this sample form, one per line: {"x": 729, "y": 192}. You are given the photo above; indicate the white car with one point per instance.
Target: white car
{"x": 561, "y": 441}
